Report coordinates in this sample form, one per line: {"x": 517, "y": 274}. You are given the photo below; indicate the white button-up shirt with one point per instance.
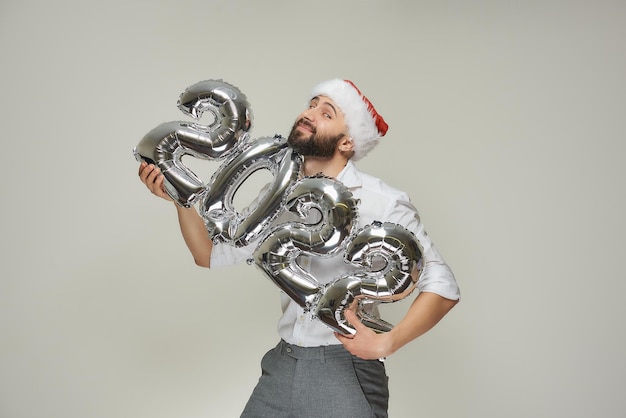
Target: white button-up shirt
{"x": 378, "y": 202}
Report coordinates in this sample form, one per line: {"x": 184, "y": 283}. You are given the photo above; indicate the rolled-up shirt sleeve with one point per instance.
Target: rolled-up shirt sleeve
{"x": 224, "y": 255}
{"x": 435, "y": 276}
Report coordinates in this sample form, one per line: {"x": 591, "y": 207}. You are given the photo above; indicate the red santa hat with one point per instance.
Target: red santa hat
{"x": 365, "y": 125}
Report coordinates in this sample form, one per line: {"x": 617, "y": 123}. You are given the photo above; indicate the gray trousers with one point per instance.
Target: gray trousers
{"x": 316, "y": 382}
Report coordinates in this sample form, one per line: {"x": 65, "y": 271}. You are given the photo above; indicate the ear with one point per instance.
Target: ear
{"x": 346, "y": 144}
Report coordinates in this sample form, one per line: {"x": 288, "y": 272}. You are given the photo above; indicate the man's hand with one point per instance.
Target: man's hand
{"x": 366, "y": 343}
{"x": 151, "y": 176}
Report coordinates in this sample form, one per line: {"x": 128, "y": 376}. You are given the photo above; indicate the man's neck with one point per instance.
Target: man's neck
{"x": 330, "y": 167}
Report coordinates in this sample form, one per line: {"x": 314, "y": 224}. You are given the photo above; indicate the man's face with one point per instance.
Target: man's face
{"x": 318, "y": 129}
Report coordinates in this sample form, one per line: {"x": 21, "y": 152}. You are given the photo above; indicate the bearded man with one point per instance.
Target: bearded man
{"x": 314, "y": 371}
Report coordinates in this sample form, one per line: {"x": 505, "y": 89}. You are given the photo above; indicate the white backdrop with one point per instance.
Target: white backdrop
{"x": 507, "y": 129}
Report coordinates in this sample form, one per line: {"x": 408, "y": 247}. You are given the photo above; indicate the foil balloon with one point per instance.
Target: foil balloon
{"x": 387, "y": 257}
{"x": 384, "y": 256}
{"x": 166, "y": 144}
{"x": 328, "y": 213}
{"x": 222, "y": 220}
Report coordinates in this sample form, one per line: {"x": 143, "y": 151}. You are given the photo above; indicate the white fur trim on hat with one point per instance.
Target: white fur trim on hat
{"x": 360, "y": 120}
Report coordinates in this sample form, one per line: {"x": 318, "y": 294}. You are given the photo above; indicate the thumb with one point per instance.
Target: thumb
{"x": 353, "y": 319}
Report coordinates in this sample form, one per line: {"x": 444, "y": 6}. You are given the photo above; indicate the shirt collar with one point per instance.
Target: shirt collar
{"x": 350, "y": 176}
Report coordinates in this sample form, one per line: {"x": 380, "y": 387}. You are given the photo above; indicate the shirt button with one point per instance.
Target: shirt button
{"x": 289, "y": 349}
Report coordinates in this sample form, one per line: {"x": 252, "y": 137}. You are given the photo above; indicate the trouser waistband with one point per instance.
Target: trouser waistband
{"x": 312, "y": 353}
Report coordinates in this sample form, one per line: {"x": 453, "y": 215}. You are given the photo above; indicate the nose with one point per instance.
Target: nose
{"x": 309, "y": 114}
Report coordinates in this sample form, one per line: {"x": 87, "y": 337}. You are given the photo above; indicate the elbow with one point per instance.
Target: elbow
{"x": 202, "y": 257}
{"x": 202, "y": 262}
{"x": 450, "y": 303}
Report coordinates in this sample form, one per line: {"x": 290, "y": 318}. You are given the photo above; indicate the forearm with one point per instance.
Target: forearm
{"x": 195, "y": 235}
{"x": 425, "y": 312}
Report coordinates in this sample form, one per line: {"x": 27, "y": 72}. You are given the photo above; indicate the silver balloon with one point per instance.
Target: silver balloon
{"x": 387, "y": 256}
{"x": 223, "y": 222}
{"x": 328, "y": 213}
{"x": 166, "y": 144}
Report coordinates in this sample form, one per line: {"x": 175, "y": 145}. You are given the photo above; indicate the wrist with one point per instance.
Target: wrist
{"x": 393, "y": 341}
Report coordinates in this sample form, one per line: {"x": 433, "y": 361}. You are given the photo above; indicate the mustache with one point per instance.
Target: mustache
{"x": 307, "y": 124}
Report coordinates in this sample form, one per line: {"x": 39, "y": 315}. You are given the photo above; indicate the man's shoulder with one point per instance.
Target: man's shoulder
{"x": 374, "y": 184}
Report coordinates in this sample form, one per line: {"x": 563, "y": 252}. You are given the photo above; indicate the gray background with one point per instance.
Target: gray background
{"x": 507, "y": 129}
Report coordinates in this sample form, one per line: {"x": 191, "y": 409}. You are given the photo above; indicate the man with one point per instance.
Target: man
{"x": 313, "y": 371}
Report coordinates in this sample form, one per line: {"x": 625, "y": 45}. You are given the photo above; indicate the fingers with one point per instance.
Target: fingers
{"x": 151, "y": 176}
{"x": 343, "y": 338}
{"x": 147, "y": 173}
{"x": 353, "y": 319}
{"x": 355, "y": 322}
{"x": 142, "y": 165}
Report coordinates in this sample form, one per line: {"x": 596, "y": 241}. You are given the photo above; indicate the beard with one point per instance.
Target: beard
{"x": 313, "y": 144}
